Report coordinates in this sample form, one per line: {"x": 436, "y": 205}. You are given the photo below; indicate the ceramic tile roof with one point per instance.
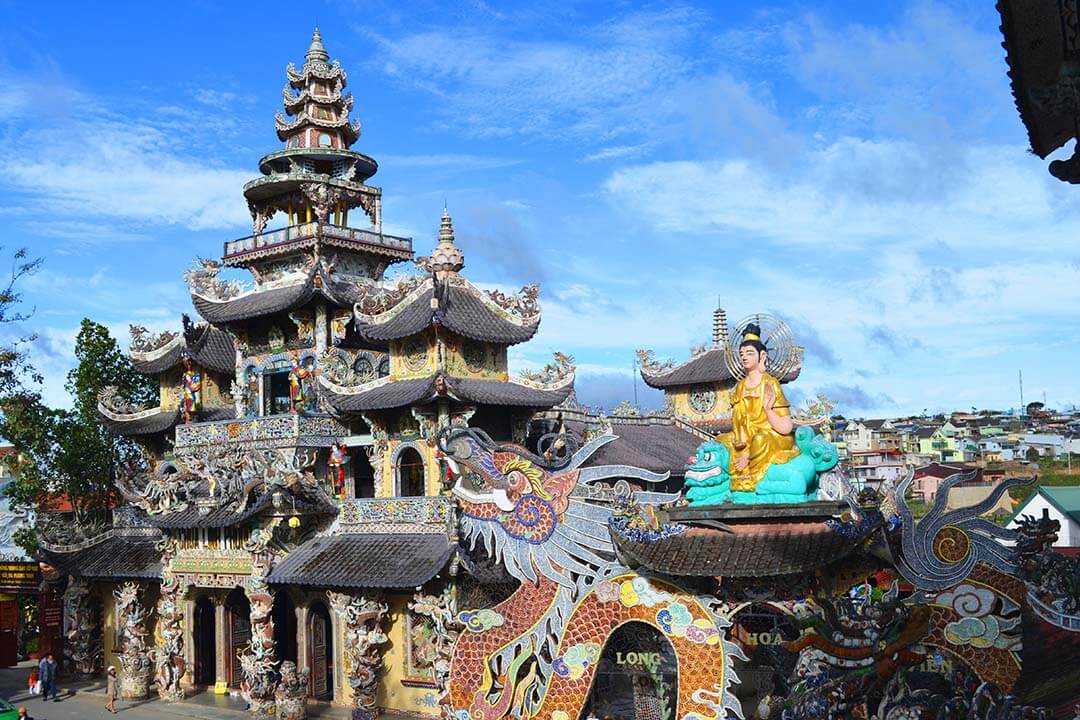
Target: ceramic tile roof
{"x": 401, "y": 393}
{"x": 1034, "y": 50}
{"x": 462, "y": 311}
{"x": 707, "y": 368}
{"x": 754, "y": 549}
{"x": 369, "y": 560}
{"x": 255, "y": 304}
{"x": 116, "y": 557}
{"x": 657, "y": 446}
{"x": 156, "y": 423}
{"x": 208, "y": 346}
{"x": 217, "y": 517}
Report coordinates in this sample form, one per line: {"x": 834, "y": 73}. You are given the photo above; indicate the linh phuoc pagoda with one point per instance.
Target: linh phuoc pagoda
{"x": 348, "y": 498}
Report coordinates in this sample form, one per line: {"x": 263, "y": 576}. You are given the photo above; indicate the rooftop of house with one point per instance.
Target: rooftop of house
{"x": 1065, "y": 498}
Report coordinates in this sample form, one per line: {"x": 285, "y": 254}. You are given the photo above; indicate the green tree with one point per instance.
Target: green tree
{"x": 69, "y": 454}
{"x": 1032, "y": 455}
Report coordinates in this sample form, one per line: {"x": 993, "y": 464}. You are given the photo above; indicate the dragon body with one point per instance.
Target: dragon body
{"x": 535, "y": 654}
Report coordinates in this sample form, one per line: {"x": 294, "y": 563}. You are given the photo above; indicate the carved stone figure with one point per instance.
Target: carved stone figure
{"x": 81, "y": 630}
{"x": 362, "y": 618}
{"x": 292, "y": 691}
{"x": 441, "y": 611}
{"x": 134, "y": 656}
{"x": 169, "y": 647}
{"x": 257, "y": 660}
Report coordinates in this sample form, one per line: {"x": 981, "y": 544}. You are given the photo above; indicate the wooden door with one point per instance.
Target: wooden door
{"x": 9, "y": 633}
{"x": 239, "y": 639}
{"x": 319, "y": 685}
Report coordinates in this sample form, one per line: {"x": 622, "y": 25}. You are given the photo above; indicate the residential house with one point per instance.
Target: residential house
{"x": 1047, "y": 445}
{"x": 945, "y": 444}
{"x": 872, "y": 467}
{"x": 1061, "y": 504}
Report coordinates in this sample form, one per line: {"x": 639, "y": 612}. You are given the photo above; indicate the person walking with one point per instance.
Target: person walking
{"x": 47, "y": 676}
{"x": 110, "y": 689}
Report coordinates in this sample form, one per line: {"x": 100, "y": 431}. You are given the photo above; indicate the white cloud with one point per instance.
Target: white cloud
{"x": 856, "y": 194}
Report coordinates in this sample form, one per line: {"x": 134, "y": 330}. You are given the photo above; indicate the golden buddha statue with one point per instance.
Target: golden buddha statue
{"x": 761, "y": 427}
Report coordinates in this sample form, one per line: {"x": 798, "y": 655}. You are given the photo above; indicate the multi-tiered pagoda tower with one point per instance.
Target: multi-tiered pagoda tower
{"x": 292, "y": 453}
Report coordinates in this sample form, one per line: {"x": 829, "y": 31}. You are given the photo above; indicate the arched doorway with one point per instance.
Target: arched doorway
{"x": 410, "y": 473}
{"x": 284, "y": 616}
{"x": 320, "y": 652}
{"x": 205, "y": 643}
{"x": 238, "y": 627}
{"x": 636, "y": 677}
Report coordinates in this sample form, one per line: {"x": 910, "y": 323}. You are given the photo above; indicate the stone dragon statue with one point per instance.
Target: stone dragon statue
{"x": 134, "y": 656}
{"x": 535, "y": 654}
{"x": 362, "y": 618}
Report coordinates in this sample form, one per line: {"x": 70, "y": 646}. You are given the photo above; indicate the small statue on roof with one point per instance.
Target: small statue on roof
{"x": 765, "y": 458}
{"x": 339, "y": 455}
{"x": 190, "y": 391}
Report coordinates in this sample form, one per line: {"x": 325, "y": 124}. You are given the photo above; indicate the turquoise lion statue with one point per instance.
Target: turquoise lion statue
{"x": 708, "y": 481}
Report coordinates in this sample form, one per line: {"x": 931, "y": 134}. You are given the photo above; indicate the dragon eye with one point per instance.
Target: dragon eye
{"x": 707, "y": 457}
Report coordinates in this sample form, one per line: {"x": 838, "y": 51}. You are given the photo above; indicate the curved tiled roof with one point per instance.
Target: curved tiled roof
{"x": 656, "y": 445}
{"x": 1034, "y": 51}
{"x": 384, "y": 393}
{"x": 463, "y": 309}
{"x": 258, "y": 303}
{"x": 769, "y": 545}
{"x": 208, "y": 346}
{"x": 708, "y": 367}
{"x": 150, "y": 422}
{"x": 140, "y": 423}
{"x": 115, "y": 556}
{"x": 368, "y": 560}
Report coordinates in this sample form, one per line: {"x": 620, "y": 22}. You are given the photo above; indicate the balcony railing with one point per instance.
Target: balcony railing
{"x": 306, "y": 231}
{"x": 412, "y": 514}
{"x": 268, "y": 431}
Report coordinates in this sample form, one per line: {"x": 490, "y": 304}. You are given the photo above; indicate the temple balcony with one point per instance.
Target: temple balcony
{"x": 295, "y": 238}
{"x": 286, "y": 430}
{"x": 424, "y": 514}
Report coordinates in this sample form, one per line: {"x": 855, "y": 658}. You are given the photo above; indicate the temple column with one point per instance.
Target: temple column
{"x": 222, "y": 639}
{"x": 360, "y": 619}
{"x": 189, "y": 639}
{"x": 320, "y": 329}
{"x": 303, "y": 652}
{"x": 260, "y": 658}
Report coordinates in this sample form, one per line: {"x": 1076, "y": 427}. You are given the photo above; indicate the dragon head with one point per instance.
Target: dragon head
{"x": 707, "y": 475}
{"x": 528, "y": 510}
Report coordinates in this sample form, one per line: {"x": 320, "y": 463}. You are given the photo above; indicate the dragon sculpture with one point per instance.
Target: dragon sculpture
{"x": 535, "y": 654}
{"x": 134, "y": 655}
{"x": 362, "y": 618}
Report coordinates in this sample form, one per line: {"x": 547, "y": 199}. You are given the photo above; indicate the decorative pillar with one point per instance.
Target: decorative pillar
{"x": 303, "y": 652}
{"x": 258, "y": 660}
{"x": 320, "y": 329}
{"x": 361, "y": 619}
{"x": 222, "y": 641}
{"x": 169, "y": 648}
{"x": 83, "y": 654}
{"x": 188, "y": 614}
{"x": 135, "y": 666}
{"x": 441, "y": 611}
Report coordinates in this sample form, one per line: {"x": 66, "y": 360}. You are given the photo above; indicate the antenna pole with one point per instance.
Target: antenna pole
{"x": 1021, "y": 392}
{"x": 633, "y": 372}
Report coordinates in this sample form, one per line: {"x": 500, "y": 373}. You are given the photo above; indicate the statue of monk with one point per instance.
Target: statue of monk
{"x": 761, "y": 428}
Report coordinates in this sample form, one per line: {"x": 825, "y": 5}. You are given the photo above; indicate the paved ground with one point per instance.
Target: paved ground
{"x": 86, "y": 701}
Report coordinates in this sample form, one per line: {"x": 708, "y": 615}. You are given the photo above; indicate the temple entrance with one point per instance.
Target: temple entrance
{"x": 205, "y": 643}
{"x": 410, "y": 473}
{"x": 320, "y": 652}
{"x": 363, "y": 474}
{"x": 636, "y": 678}
{"x": 284, "y": 616}
{"x": 238, "y": 629}
{"x": 761, "y": 629}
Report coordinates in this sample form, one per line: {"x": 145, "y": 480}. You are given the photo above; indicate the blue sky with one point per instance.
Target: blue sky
{"x": 856, "y": 168}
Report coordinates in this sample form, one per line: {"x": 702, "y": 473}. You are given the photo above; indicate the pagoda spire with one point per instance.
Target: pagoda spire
{"x": 317, "y": 109}
{"x": 446, "y": 259}
{"x": 316, "y": 51}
